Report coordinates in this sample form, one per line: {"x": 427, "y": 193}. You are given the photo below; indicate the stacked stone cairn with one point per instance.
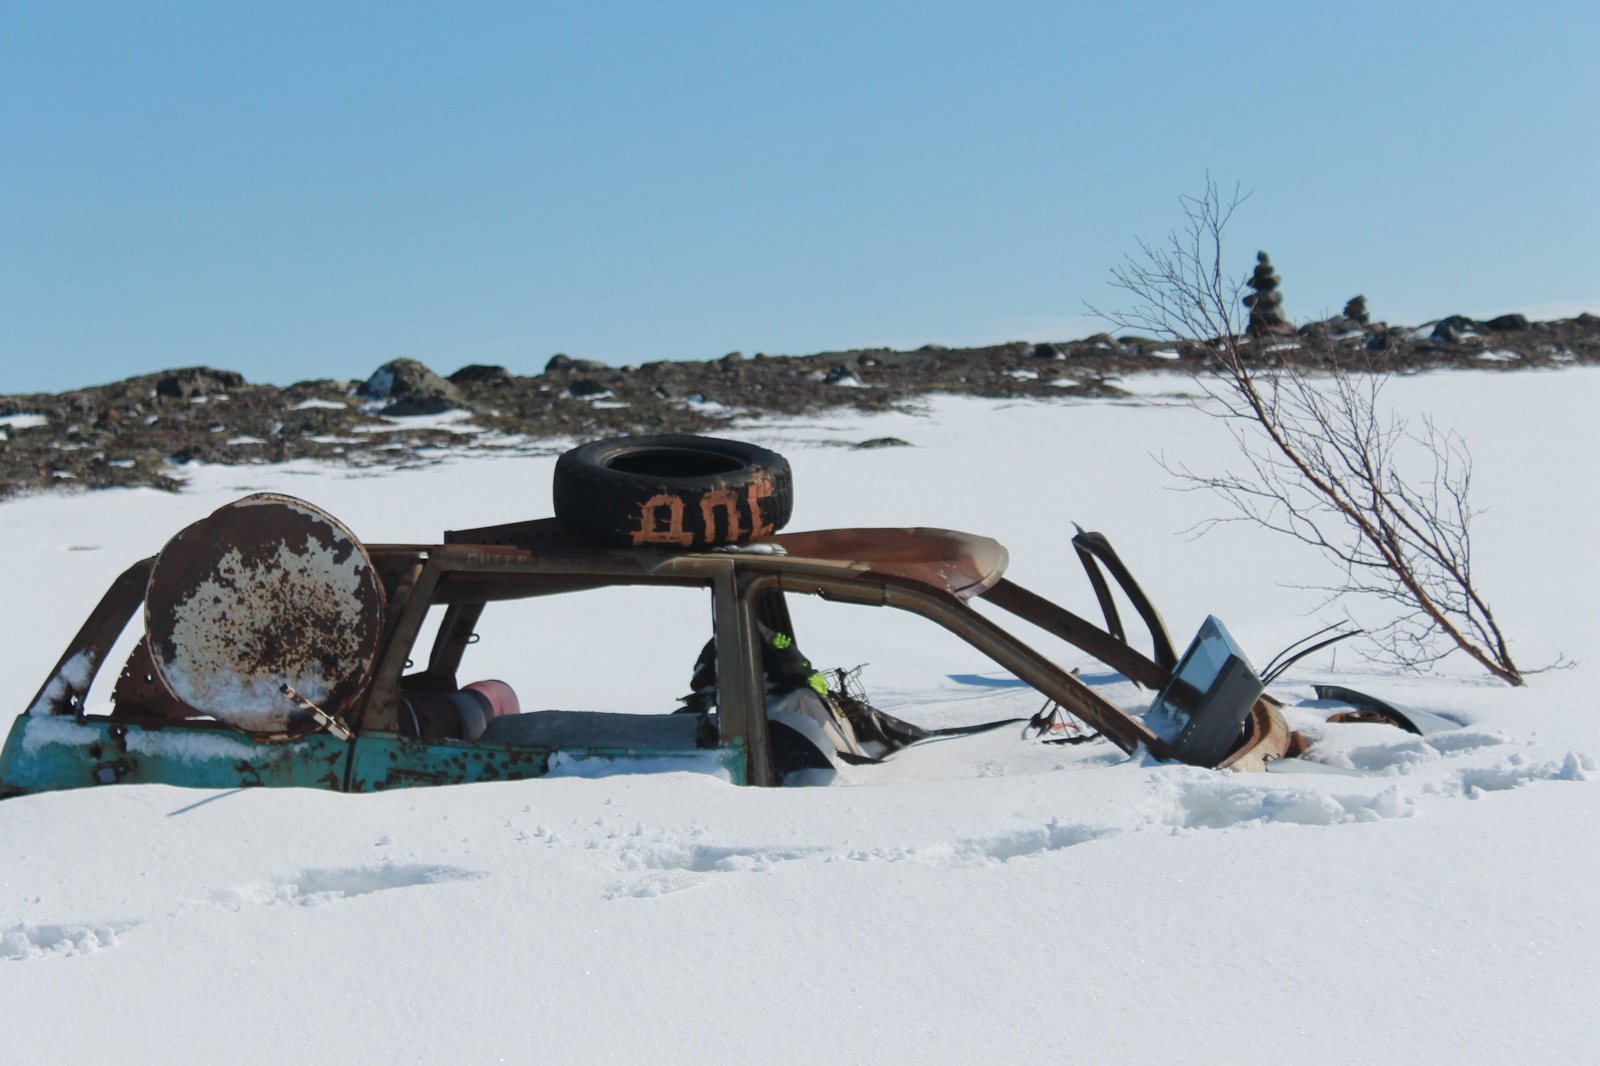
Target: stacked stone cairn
{"x": 1266, "y": 303}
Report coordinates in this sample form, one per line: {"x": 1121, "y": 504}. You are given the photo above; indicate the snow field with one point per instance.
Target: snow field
{"x": 1393, "y": 897}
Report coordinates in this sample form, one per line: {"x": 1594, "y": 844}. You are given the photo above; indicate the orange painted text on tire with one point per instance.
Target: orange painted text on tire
{"x": 661, "y": 517}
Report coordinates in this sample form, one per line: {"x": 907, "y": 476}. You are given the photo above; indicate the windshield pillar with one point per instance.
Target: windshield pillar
{"x": 741, "y": 688}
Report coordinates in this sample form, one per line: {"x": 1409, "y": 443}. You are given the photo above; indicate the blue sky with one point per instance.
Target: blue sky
{"x": 308, "y": 190}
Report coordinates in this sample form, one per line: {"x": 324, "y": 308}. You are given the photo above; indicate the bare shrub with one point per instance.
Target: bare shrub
{"x": 1324, "y": 461}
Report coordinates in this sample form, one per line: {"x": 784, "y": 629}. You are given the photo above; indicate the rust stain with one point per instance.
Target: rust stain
{"x": 265, "y": 591}
{"x": 139, "y": 692}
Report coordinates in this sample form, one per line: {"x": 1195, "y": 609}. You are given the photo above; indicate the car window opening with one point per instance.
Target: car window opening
{"x": 511, "y": 670}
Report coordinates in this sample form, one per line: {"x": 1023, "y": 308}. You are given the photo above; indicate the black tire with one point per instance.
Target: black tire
{"x": 672, "y": 490}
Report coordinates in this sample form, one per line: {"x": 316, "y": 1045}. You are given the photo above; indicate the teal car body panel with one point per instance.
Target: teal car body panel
{"x": 48, "y": 752}
{"x": 55, "y": 752}
{"x": 384, "y": 761}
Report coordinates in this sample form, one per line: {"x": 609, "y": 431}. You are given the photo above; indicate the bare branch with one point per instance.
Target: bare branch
{"x": 1325, "y": 462}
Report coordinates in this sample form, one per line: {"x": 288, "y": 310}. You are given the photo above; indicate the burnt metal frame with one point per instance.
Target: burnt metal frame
{"x": 738, "y": 583}
{"x": 954, "y": 614}
{"x": 417, "y": 577}
{"x": 1080, "y": 633}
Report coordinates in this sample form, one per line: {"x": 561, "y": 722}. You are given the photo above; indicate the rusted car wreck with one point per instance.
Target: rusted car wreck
{"x": 280, "y": 650}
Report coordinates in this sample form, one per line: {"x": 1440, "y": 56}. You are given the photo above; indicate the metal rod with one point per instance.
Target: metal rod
{"x": 330, "y": 722}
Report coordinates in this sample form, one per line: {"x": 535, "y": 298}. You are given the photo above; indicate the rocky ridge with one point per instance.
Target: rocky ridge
{"x": 145, "y": 429}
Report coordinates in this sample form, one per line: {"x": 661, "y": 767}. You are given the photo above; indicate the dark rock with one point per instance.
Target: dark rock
{"x": 197, "y": 381}
{"x": 1509, "y": 324}
{"x": 1450, "y": 330}
{"x": 1045, "y": 351}
{"x": 881, "y": 442}
{"x": 1382, "y": 340}
{"x": 840, "y": 374}
{"x": 733, "y": 357}
{"x": 1356, "y": 310}
{"x": 919, "y": 360}
{"x": 1339, "y": 326}
{"x": 561, "y": 363}
{"x": 322, "y": 386}
{"x": 585, "y": 387}
{"x": 477, "y": 374}
{"x": 411, "y": 389}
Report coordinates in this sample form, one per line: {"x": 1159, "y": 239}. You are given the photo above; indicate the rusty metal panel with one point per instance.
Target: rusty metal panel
{"x": 267, "y": 591}
{"x": 960, "y": 563}
{"x": 1266, "y": 737}
{"x": 139, "y": 693}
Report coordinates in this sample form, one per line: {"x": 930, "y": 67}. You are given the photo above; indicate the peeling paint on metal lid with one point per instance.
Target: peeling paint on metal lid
{"x": 266, "y": 590}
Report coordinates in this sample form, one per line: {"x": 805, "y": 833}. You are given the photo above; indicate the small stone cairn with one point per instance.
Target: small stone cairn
{"x": 1266, "y": 303}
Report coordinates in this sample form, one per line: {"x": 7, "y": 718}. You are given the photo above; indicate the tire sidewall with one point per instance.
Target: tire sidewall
{"x": 747, "y": 502}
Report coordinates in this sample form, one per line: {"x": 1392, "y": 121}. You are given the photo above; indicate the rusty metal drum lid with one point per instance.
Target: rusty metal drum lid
{"x": 268, "y": 590}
